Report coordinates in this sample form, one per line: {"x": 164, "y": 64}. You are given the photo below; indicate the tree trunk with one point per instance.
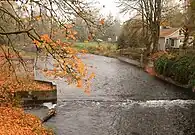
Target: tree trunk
{"x": 186, "y": 37}
{"x": 156, "y": 38}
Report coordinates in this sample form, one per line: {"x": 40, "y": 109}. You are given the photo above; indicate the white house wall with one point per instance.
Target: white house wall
{"x": 180, "y": 37}
{"x": 177, "y": 38}
{"x": 174, "y": 35}
{"x": 179, "y": 43}
{"x": 161, "y": 44}
{"x": 176, "y": 43}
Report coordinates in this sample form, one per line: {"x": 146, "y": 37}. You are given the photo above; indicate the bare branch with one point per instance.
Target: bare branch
{"x": 15, "y": 32}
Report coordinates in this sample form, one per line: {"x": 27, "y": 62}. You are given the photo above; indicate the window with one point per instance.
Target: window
{"x": 172, "y": 42}
{"x": 167, "y": 41}
{"x": 180, "y": 32}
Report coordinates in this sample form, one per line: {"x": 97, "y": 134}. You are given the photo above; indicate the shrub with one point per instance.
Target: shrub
{"x": 163, "y": 64}
{"x": 180, "y": 68}
{"x": 91, "y": 49}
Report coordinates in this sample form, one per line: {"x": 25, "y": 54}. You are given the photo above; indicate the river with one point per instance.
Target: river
{"x": 124, "y": 100}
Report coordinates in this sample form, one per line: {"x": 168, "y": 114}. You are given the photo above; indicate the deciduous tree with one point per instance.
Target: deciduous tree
{"x": 40, "y": 21}
{"x": 150, "y": 14}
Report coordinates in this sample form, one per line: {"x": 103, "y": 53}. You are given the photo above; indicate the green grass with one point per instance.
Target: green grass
{"x": 106, "y": 49}
{"x": 95, "y": 45}
{"x": 103, "y": 48}
{"x": 81, "y": 46}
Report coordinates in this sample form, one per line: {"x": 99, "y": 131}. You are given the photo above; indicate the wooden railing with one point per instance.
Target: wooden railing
{"x": 133, "y": 53}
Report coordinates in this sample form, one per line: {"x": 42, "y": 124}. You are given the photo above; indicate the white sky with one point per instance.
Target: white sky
{"x": 111, "y": 7}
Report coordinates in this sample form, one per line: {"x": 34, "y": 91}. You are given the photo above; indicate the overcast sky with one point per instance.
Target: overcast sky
{"x": 111, "y": 7}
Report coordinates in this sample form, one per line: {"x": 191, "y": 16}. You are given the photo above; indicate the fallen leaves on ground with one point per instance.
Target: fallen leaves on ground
{"x": 150, "y": 70}
{"x": 12, "y": 83}
{"x": 14, "y": 121}
{"x": 23, "y": 84}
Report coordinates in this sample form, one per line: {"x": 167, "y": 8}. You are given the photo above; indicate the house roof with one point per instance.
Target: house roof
{"x": 167, "y": 31}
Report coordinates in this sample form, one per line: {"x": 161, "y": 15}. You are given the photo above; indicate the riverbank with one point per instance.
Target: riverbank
{"x": 18, "y": 89}
{"x": 109, "y": 50}
{"x": 150, "y": 69}
{"x": 14, "y": 121}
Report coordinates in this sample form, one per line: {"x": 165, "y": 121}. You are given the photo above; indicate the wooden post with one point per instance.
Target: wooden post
{"x": 51, "y": 113}
{"x": 141, "y": 60}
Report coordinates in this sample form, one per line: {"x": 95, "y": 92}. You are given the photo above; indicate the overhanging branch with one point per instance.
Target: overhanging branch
{"x": 15, "y": 32}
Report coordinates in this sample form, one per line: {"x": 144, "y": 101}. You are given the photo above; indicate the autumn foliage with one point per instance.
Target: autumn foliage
{"x": 67, "y": 62}
{"x": 14, "y": 121}
{"x": 67, "y": 65}
{"x": 157, "y": 55}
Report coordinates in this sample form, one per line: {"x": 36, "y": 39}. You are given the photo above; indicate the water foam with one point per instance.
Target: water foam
{"x": 159, "y": 103}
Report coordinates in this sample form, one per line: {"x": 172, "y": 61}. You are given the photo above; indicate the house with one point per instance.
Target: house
{"x": 170, "y": 38}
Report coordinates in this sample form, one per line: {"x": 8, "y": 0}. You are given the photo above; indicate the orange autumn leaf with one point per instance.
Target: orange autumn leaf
{"x": 37, "y": 43}
{"x": 150, "y": 71}
{"x": 88, "y": 92}
{"x": 92, "y": 76}
{"x": 55, "y": 69}
{"x": 38, "y": 18}
{"x": 75, "y": 33}
{"x": 89, "y": 37}
{"x": 102, "y": 21}
{"x": 46, "y": 38}
{"x": 68, "y": 66}
{"x": 45, "y": 69}
{"x": 83, "y": 51}
{"x": 79, "y": 84}
{"x": 58, "y": 42}
{"x": 68, "y": 26}
{"x": 14, "y": 121}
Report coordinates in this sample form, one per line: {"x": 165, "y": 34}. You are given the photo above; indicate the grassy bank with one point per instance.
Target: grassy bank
{"x": 105, "y": 49}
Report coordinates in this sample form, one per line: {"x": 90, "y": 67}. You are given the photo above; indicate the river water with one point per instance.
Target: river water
{"x": 124, "y": 100}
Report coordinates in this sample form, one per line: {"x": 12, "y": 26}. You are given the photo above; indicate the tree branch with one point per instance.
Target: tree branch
{"x": 15, "y": 32}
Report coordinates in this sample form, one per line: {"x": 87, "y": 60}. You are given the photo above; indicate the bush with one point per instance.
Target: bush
{"x": 163, "y": 64}
{"x": 180, "y": 68}
{"x": 160, "y": 65}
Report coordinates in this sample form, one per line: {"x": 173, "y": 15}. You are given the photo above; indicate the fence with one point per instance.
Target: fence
{"x": 136, "y": 54}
